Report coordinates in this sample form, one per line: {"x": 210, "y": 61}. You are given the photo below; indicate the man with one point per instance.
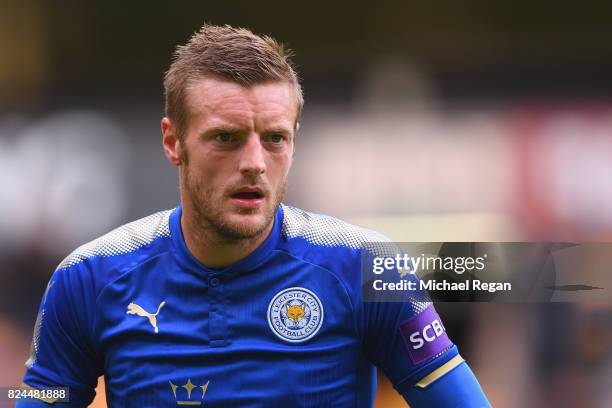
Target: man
{"x": 233, "y": 299}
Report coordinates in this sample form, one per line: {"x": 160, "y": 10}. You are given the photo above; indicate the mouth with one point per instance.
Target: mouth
{"x": 247, "y": 197}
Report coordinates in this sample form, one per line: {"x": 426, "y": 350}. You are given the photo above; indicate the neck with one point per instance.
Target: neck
{"x": 212, "y": 249}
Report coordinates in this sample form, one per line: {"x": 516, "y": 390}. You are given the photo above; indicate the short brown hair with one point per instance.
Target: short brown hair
{"x": 234, "y": 54}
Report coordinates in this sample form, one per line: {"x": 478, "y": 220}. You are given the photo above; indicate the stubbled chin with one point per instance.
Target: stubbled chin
{"x": 247, "y": 218}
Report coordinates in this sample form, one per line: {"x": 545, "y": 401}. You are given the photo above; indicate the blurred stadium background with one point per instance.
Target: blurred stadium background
{"x": 444, "y": 121}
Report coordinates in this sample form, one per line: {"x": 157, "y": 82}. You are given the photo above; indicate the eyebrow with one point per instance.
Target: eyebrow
{"x": 235, "y": 129}
{"x": 278, "y": 129}
{"x": 222, "y": 129}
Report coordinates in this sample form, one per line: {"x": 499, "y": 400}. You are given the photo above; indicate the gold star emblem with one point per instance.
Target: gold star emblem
{"x": 189, "y": 387}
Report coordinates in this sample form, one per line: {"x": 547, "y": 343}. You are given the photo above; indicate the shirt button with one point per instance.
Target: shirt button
{"x": 214, "y": 282}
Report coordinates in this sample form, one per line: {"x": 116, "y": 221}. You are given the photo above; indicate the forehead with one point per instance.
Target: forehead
{"x": 217, "y": 100}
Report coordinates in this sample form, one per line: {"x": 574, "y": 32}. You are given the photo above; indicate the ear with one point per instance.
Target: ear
{"x": 170, "y": 141}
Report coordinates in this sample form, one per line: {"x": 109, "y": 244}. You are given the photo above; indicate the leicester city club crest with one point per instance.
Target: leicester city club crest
{"x": 295, "y": 314}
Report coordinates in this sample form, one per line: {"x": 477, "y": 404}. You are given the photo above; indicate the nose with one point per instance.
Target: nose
{"x": 252, "y": 157}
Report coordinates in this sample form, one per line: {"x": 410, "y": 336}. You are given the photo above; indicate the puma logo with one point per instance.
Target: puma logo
{"x": 134, "y": 309}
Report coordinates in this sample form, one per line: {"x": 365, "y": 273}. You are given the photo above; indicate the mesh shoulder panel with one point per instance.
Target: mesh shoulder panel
{"x": 328, "y": 231}
{"x": 122, "y": 240}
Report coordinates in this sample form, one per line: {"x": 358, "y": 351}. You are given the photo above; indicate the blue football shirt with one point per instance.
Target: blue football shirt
{"x": 285, "y": 326}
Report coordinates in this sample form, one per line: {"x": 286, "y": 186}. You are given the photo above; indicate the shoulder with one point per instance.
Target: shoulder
{"x": 331, "y": 243}
{"x": 325, "y": 231}
{"x": 118, "y": 250}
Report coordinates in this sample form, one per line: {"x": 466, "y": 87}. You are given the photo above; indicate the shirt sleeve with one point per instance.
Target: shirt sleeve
{"x": 415, "y": 353}
{"x": 402, "y": 333}
{"x": 406, "y": 345}
{"x": 451, "y": 385}
{"x": 62, "y": 353}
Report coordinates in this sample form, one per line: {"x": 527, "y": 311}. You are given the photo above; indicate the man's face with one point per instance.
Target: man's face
{"x": 236, "y": 154}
